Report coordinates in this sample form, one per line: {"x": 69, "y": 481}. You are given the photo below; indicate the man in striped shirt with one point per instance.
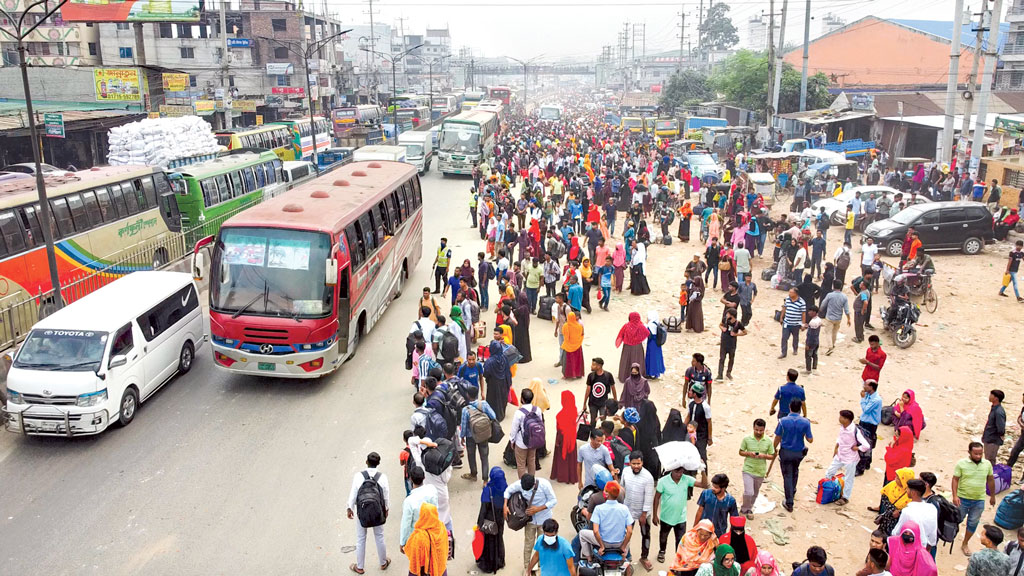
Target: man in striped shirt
{"x": 639, "y": 486}
{"x": 794, "y": 319}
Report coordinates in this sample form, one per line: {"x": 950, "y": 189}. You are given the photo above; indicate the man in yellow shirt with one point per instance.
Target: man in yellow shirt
{"x": 851, "y": 220}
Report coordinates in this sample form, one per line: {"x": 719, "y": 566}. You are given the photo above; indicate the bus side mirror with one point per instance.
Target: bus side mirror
{"x": 331, "y": 272}
{"x": 198, "y": 265}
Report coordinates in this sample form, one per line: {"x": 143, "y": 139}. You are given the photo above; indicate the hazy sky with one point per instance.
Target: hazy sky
{"x": 579, "y": 28}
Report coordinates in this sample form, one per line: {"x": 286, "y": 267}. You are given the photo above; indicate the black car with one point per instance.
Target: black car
{"x": 963, "y": 226}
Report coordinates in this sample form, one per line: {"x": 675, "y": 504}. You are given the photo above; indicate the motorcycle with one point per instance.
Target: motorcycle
{"x": 612, "y": 562}
{"x": 901, "y": 314}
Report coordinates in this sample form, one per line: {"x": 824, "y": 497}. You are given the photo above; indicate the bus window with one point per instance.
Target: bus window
{"x": 169, "y": 212}
{"x": 140, "y": 195}
{"x": 396, "y": 212}
{"x": 400, "y": 193}
{"x": 250, "y": 181}
{"x": 354, "y": 246}
{"x": 383, "y": 222}
{"x": 416, "y": 191}
{"x": 236, "y": 182}
{"x": 10, "y": 228}
{"x": 278, "y": 171}
{"x": 78, "y": 214}
{"x": 92, "y": 208}
{"x": 224, "y": 188}
{"x": 149, "y": 190}
{"x": 209, "y": 192}
{"x": 62, "y": 216}
{"x": 30, "y": 223}
{"x": 365, "y": 224}
{"x": 117, "y": 199}
{"x": 268, "y": 167}
{"x": 130, "y": 199}
{"x": 107, "y": 209}
{"x": 361, "y": 246}
{"x": 261, "y": 176}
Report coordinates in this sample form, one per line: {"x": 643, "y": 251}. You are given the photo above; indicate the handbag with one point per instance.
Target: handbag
{"x": 496, "y": 432}
{"x": 1006, "y": 279}
{"x": 888, "y": 414}
{"x": 583, "y": 428}
{"x": 725, "y": 265}
{"x": 490, "y": 527}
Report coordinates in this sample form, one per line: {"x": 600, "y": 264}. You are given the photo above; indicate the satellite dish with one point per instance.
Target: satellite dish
{"x": 967, "y": 95}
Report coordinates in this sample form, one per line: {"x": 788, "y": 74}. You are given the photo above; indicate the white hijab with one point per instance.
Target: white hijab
{"x": 652, "y": 321}
{"x": 640, "y": 256}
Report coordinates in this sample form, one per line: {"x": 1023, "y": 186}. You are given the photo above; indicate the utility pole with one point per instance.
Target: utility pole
{"x": 771, "y": 58}
{"x": 401, "y": 33}
{"x": 373, "y": 50}
{"x": 991, "y": 55}
{"x": 807, "y": 42}
{"x": 946, "y": 146}
{"x": 224, "y": 116}
{"x": 682, "y": 36}
{"x": 972, "y": 80}
{"x": 778, "y": 60}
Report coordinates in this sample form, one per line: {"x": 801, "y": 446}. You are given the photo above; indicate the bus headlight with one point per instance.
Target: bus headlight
{"x": 92, "y": 399}
{"x": 15, "y": 397}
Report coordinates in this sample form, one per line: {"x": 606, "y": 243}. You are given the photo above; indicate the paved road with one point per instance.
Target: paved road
{"x": 223, "y": 474}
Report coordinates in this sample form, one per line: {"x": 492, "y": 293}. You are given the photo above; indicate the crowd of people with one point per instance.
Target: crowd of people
{"x": 546, "y": 207}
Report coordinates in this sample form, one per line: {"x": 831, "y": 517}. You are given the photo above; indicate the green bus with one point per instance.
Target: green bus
{"x": 210, "y": 192}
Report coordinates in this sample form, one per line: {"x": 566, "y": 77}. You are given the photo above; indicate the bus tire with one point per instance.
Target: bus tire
{"x": 128, "y": 406}
{"x": 403, "y": 276}
{"x": 186, "y": 357}
{"x": 360, "y": 332}
{"x": 159, "y": 258}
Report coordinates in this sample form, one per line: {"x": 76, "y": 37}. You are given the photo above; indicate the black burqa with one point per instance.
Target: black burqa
{"x": 649, "y": 435}
{"x": 674, "y": 430}
{"x": 498, "y": 377}
{"x": 521, "y": 334}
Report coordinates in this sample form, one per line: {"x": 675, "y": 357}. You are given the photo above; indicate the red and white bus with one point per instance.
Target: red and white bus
{"x": 297, "y": 280}
{"x": 503, "y": 93}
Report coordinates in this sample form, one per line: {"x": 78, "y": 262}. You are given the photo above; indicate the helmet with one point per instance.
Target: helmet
{"x": 601, "y": 476}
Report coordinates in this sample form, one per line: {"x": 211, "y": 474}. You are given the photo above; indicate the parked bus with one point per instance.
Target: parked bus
{"x": 122, "y": 215}
{"x": 274, "y": 137}
{"x": 551, "y": 112}
{"x": 302, "y": 136}
{"x": 666, "y": 127}
{"x": 296, "y": 282}
{"x": 418, "y": 115}
{"x": 209, "y": 192}
{"x": 466, "y": 140}
{"x": 347, "y": 119}
{"x": 503, "y": 93}
{"x": 633, "y": 124}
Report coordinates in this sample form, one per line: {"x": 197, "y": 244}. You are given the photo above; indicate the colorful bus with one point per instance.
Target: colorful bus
{"x": 471, "y": 98}
{"x": 270, "y": 136}
{"x": 114, "y": 219}
{"x": 349, "y": 118}
{"x": 465, "y": 141}
{"x": 494, "y": 107}
{"x": 444, "y": 103}
{"x": 297, "y": 281}
{"x": 503, "y": 93}
{"x": 302, "y": 136}
{"x": 209, "y": 192}
{"x": 418, "y": 115}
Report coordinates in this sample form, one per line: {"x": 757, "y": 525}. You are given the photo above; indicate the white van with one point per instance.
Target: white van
{"x": 91, "y": 363}
{"x": 297, "y": 171}
{"x": 379, "y": 152}
{"x": 419, "y": 149}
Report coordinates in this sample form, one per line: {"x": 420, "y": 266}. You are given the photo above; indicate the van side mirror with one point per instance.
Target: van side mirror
{"x": 116, "y": 361}
{"x": 198, "y": 265}
{"x": 331, "y": 272}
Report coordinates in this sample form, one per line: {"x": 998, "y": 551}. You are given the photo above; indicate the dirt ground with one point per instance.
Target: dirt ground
{"x": 963, "y": 350}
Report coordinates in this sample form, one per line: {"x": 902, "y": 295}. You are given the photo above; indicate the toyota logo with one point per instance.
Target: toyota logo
{"x": 266, "y": 348}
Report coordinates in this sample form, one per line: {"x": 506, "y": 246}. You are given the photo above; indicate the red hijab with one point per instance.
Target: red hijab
{"x": 566, "y": 422}
{"x": 898, "y": 455}
{"x": 633, "y": 332}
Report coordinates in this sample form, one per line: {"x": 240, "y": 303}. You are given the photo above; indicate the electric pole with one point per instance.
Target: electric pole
{"x": 373, "y": 50}
{"x": 778, "y": 60}
{"x": 972, "y": 80}
{"x": 991, "y": 55}
{"x": 771, "y": 58}
{"x": 225, "y": 115}
{"x": 807, "y": 41}
{"x": 946, "y": 146}
{"x": 682, "y": 36}
{"x": 401, "y": 32}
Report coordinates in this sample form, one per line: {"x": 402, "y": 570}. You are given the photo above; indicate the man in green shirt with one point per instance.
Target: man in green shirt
{"x": 970, "y": 478}
{"x": 671, "y": 496}
{"x": 756, "y": 451}
{"x": 534, "y": 280}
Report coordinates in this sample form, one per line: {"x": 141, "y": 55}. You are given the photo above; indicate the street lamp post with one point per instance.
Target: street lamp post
{"x": 19, "y": 34}
{"x": 312, "y": 48}
{"x": 394, "y": 60}
{"x": 430, "y": 78}
{"x": 525, "y": 64}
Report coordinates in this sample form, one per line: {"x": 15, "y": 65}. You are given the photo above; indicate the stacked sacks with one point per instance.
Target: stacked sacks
{"x": 158, "y": 141}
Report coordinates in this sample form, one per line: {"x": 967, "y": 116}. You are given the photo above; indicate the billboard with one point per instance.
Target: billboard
{"x": 130, "y": 11}
{"x": 117, "y": 84}
{"x": 175, "y": 82}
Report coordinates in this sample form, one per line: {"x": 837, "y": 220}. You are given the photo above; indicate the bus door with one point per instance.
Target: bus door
{"x": 344, "y": 311}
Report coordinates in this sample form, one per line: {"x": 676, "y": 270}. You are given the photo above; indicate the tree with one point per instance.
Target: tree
{"x": 717, "y": 30}
{"x": 685, "y": 88}
{"x": 743, "y": 80}
{"x": 818, "y": 96}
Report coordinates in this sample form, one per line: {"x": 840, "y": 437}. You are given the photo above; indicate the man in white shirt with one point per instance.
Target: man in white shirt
{"x": 425, "y": 325}
{"x": 639, "y": 486}
{"x": 867, "y": 255}
{"x": 526, "y": 457}
{"x": 370, "y": 474}
{"x": 875, "y": 563}
{"x": 924, "y": 514}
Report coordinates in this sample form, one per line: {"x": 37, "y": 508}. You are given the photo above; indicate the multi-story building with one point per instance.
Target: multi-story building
{"x": 53, "y": 43}
{"x": 757, "y": 32}
{"x": 1011, "y": 75}
{"x": 358, "y": 46}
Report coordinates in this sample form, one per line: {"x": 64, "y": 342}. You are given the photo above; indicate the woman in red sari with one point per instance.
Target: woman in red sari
{"x": 572, "y": 343}
{"x": 563, "y": 466}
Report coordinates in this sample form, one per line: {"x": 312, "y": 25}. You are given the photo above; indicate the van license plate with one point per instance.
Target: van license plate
{"x": 268, "y": 366}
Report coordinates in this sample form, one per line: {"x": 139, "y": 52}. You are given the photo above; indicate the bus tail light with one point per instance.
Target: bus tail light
{"x": 223, "y": 359}
{"x": 313, "y": 364}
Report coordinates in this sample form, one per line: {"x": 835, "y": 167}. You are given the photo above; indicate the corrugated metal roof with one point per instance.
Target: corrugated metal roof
{"x": 20, "y": 120}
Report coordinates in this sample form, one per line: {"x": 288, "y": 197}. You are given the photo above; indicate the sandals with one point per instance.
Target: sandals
{"x": 356, "y": 569}
{"x": 385, "y": 565}
{"x": 661, "y": 557}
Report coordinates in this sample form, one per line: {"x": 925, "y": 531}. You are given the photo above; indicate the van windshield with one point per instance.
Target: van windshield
{"x": 72, "y": 350}
{"x": 906, "y": 216}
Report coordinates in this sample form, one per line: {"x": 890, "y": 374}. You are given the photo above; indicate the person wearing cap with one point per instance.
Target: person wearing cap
{"x": 611, "y": 526}
{"x": 698, "y": 414}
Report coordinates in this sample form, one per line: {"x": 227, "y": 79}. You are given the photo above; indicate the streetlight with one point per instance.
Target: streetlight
{"x": 430, "y": 75}
{"x": 525, "y": 64}
{"x": 19, "y": 34}
{"x": 311, "y": 49}
{"x": 393, "y": 60}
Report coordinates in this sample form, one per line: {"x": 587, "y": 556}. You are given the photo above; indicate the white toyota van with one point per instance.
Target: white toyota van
{"x": 93, "y": 362}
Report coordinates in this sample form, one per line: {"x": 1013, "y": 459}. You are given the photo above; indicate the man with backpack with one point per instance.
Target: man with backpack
{"x": 477, "y": 418}
{"x": 527, "y": 434}
{"x": 528, "y": 504}
{"x": 842, "y": 259}
{"x": 368, "y": 500}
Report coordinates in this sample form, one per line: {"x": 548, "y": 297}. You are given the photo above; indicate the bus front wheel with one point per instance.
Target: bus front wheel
{"x": 159, "y": 258}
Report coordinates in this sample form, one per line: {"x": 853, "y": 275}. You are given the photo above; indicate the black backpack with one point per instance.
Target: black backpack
{"x": 437, "y": 460}
{"x": 371, "y": 508}
{"x": 620, "y": 452}
{"x": 449, "y": 346}
{"x": 437, "y": 425}
{"x": 949, "y": 519}
{"x": 662, "y": 335}
{"x": 455, "y": 396}
{"x": 517, "y": 504}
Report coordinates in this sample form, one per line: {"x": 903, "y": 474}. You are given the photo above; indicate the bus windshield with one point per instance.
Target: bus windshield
{"x": 460, "y": 141}
{"x": 271, "y": 272}
{"x": 72, "y": 350}
{"x": 224, "y": 140}
{"x": 632, "y": 122}
{"x": 665, "y": 124}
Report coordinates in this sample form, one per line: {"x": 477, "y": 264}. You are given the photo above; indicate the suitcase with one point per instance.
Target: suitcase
{"x": 666, "y": 240}
{"x": 767, "y": 274}
{"x": 1002, "y": 476}
{"x": 480, "y": 330}
{"x": 830, "y": 489}
{"x": 544, "y": 307}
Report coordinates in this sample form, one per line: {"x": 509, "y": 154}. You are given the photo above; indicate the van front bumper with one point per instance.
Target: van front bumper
{"x": 36, "y": 420}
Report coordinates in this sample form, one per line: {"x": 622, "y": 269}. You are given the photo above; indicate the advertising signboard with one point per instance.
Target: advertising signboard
{"x": 239, "y": 42}
{"x": 204, "y": 107}
{"x": 246, "y": 105}
{"x": 130, "y": 11}
{"x": 289, "y": 90}
{"x": 117, "y": 84}
{"x": 280, "y": 68}
{"x": 174, "y": 111}
{"x": 54, "y": 124}
{"x": 175, "y": 82}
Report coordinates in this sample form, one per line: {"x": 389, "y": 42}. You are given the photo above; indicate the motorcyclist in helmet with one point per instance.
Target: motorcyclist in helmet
{"x": 899, "y": 297}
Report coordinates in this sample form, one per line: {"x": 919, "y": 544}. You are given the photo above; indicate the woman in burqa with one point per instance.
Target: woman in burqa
{"x": 695, "y": 308}
{"x": 674, "y": 430}
{"x": 648, "y": 435}
{"x": 498, "y": 379}
{"x": 521, "y": 335}
{"x": 492, "y": 502}
{"x": 635, "y": 388}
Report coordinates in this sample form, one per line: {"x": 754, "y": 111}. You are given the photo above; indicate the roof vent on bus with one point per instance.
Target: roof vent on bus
{"x": 292, "y": 208}
{"x": 358, "y": 173}
{"x": 341, "y": 182}
{"x": 319, "y": 194}
{"x": 374, "y": 165}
